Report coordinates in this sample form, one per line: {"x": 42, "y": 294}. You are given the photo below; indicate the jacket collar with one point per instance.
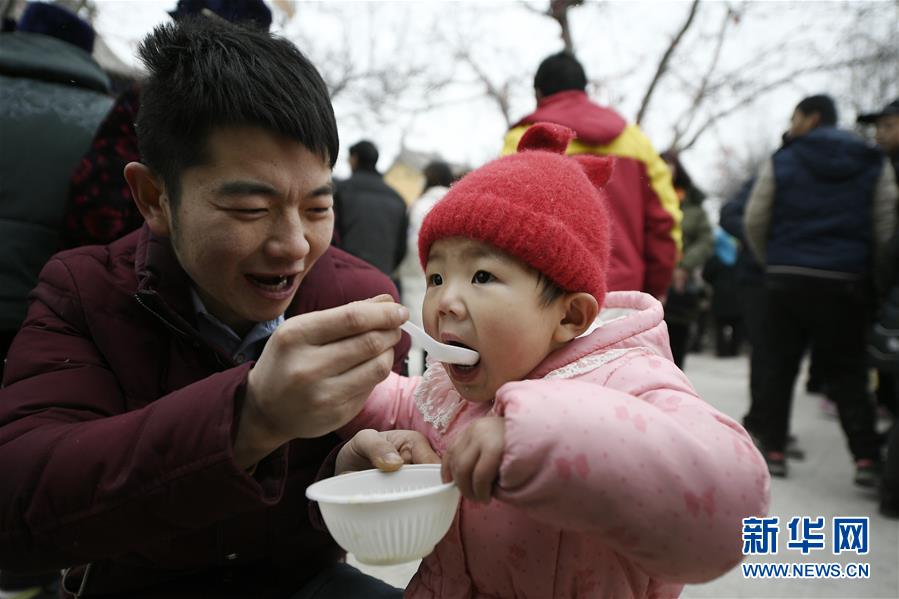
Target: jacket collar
{"x": 593, "y": 124}
{"x": 163, "y": 287}
{"x": 159, "y": 271}
{"x": 628, "y": 318}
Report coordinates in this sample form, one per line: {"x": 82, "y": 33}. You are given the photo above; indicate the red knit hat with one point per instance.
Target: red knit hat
{"x": 540, "y": 206}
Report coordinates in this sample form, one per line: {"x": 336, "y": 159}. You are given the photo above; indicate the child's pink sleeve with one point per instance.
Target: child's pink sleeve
{"x": 391, "y": 405}
{"x": 634, "y": 457}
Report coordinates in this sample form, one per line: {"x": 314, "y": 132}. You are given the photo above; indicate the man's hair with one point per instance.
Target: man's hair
{"x": 682, "y": 179}
{"x": 822, "y": 105}
{"x": 560, "y": 72}
{"x": 366, "y": 154}
{"x": 438, "y": 174}
{"x": 206, "y": 74}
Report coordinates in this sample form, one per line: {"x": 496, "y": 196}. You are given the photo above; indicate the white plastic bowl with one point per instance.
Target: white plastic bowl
{"x": 387, "y": 517}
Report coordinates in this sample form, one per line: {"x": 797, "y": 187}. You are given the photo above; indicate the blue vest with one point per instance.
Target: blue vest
{"x": 821, "y": 217}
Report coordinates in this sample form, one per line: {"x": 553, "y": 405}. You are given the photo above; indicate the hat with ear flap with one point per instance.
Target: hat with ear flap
{"x": 538, "y": 205}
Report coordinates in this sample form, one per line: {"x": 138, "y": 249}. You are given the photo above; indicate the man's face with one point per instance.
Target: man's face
{"x": 483, "y": 299}
{"x": 801, "y": 123}
{"x": 251, "y": 223}
{"x": 887, "y": 133}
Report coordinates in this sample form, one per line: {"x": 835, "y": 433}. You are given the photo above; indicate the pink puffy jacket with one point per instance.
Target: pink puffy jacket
{"x": 617, "y": 480}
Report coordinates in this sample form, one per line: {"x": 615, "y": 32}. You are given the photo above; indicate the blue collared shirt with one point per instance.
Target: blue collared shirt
{"x": 221, "y": 335}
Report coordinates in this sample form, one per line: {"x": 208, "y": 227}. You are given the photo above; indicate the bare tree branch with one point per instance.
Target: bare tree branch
{"x": 499, "y": 93}
{"x": 753, "y": 94}
{"x": 374, "y": 82}
{"x": 699, "y": 95}
{"x": 558, "y": 10}
{"x": 666, "y": 57}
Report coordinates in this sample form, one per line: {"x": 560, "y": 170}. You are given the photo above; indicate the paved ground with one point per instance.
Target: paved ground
{"x": 819, "y": 486}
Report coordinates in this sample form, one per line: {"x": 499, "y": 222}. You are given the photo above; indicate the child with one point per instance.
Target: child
{"x": 588, "y": 465}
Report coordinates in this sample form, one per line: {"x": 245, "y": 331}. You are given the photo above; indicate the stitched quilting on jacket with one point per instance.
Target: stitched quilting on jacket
{"x": 616, "y": 479}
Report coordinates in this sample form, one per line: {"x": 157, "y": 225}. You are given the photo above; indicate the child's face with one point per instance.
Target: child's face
{"x": 484, "y": 299}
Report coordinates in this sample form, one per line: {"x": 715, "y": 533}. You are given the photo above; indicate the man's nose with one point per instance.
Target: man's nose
{"x": 287, "y": 241}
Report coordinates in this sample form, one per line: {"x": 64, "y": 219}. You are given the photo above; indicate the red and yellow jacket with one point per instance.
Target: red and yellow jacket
{"x": 645, "y": 210}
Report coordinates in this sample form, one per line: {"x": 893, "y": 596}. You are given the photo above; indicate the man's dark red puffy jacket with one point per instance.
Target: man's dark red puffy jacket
{"x": 116, "y": 422}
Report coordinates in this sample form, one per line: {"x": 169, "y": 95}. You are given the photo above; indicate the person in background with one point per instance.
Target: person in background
{"x": 171, "y": 395}
{"x": 644, "y": 207}
{"x": 750, "y": 281}
{"x": 438, "y": 178}
{"x": 818, "y": 218}
{"x": 886, "y": 131}
{"x": 371, "y": 215}
{"x": 886, "y": 134}
{"x": 720, "y": 271}
{"x": 684, "y": 295}
{"x": 100, "y": 208}
{"x": 52, "y": 97}
{"x": 882, "y": 350}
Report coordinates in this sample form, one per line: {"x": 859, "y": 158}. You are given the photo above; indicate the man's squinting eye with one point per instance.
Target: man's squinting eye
{"x": 319, "y": 210}
{"x": 435, "y": 280}
{"x": 482, "y": 276}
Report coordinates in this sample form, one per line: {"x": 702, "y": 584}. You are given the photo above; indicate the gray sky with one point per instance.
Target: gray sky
{"x": 618, "y": 42}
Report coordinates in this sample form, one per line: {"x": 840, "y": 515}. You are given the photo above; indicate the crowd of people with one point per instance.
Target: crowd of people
{"x": 198, "y": 322}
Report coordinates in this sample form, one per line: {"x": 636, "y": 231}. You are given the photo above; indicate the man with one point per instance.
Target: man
{"x": 683, "y": 312}
{"x": 886, "y": 131}
{"x": 817, "y": 218}
{"x": 644, "y": 207}
{"x": 371, "y": 215}
{"x": 156, "y": 435}
{"x": 52, "y": 97}
{"x": 887, "y": 136}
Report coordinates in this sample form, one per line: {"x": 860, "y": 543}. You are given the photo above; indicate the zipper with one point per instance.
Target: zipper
{"x": 222, "y": 361}
{"x": 161, "y": 317}
{"x": 82, "y": 585}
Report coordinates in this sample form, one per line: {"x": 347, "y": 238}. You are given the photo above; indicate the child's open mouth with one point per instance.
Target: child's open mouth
{"x": 463, "y": 373}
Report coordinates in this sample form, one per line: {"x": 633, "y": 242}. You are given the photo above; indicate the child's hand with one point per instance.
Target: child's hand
{"x": 386, "y": 451}
{"x": 473, "y": 460}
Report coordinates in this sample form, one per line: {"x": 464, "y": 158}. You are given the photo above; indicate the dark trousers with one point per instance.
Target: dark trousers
{"x": 678, "y": 336}
{"x": 890, "y": 485}
{"x": 343, "y": 581}
{"x": 754, "y": 298}
{"x": 728, "y": 336}
{"x": 833, "y": 317}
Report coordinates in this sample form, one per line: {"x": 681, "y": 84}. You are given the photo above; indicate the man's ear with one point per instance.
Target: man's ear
{"x": 580, "y": 310}
{"x": 150, "y": 196}
{"x": 814, "y": 120}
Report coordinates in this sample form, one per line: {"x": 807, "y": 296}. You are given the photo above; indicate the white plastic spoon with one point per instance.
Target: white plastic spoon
{"x": 441, "y": 351}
